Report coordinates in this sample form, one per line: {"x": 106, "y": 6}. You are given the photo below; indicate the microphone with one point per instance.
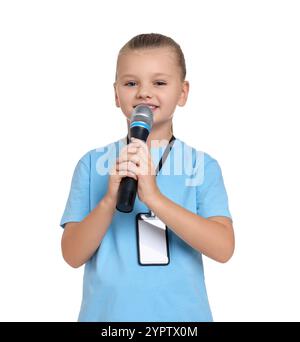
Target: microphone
{"x": 140, "y": 127}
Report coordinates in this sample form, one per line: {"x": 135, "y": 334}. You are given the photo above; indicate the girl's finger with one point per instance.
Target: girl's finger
{"x": 138, "y": 142}
{"x": 143, "y": 156}
{"x": 126, "y": 173}
{"x": 130, "y": 157}
{"x": 127, "y": 166}
{"x": 146, "y": 165}
{"x": 129, "y": 149}
{"x": 132, "y": 149}
{"x": 142, "y": 146}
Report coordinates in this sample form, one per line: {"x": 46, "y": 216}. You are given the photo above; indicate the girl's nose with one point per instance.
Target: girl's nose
{"x": 144, "y": 92}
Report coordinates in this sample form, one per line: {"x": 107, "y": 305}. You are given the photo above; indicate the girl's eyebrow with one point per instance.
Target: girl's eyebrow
{"x": 155, "y": 75}
{"x": 127, "y": 75}
{"x": 162, "y": 74}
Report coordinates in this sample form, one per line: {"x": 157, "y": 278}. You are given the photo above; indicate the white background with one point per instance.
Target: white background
{"x": 57, "y": 65}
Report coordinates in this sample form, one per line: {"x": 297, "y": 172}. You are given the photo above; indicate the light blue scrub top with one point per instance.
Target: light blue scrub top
{"x": 115, "y": 287}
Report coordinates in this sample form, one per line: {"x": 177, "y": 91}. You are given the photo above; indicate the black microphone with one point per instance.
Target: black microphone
{"x": 140, "y": 127}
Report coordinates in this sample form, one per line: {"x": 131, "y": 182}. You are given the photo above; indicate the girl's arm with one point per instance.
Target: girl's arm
{"x": 213, "y": 237}
{"x": 80, "y": 240}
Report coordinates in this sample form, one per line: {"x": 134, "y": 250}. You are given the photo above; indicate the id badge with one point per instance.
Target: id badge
{"x": 152, "y": 240}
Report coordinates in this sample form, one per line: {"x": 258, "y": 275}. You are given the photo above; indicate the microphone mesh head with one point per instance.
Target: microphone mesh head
{"x": 142, "y": 113}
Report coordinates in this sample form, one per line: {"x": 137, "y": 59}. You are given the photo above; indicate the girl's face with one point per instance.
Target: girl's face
{"x": 151, "y": 77}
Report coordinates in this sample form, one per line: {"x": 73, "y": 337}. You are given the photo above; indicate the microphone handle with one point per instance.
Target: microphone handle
{"x": 127, "y": 194}
{"x": 128, "y": 186}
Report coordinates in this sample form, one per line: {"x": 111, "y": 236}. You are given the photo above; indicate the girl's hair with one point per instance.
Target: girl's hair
{"x": 155, "y": 40}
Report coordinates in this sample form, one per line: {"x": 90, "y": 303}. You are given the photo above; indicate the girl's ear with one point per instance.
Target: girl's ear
{"x": 184, "y": 94}
{"x": 116, "y": 96}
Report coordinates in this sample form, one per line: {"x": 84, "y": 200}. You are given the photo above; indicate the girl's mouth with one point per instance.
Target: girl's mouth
{"x": 151, "y": 106}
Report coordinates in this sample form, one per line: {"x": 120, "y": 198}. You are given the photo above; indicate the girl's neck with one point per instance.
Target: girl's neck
{"x": 158, "y": 139}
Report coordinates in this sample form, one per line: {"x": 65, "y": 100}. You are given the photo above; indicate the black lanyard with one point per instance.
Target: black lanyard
{"x": 165, "y": 155}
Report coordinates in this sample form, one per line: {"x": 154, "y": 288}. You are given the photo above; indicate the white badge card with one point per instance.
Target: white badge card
{"x": 152, "y": 240}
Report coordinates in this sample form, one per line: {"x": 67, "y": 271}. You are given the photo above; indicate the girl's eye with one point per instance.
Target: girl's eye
{"x": 130, "y": 84}
{"x": 160, "y": 83}
{"x": 133, "y": 84}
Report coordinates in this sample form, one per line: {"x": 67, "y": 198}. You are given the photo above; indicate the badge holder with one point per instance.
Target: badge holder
{"x": 152, "y": 240}
{"x": 151, "y": 232}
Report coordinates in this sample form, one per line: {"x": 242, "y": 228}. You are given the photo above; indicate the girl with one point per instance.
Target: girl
{"x": 117, "y": 287}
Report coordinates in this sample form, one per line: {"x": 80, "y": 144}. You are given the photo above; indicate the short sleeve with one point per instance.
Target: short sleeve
{"x": 78, "y": 203}
{"x": 211, "y": 195}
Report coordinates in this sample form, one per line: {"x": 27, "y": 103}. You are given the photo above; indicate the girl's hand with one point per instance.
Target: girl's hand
{"x": 136, "y": 162}
{"x": 116, "y": 175}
